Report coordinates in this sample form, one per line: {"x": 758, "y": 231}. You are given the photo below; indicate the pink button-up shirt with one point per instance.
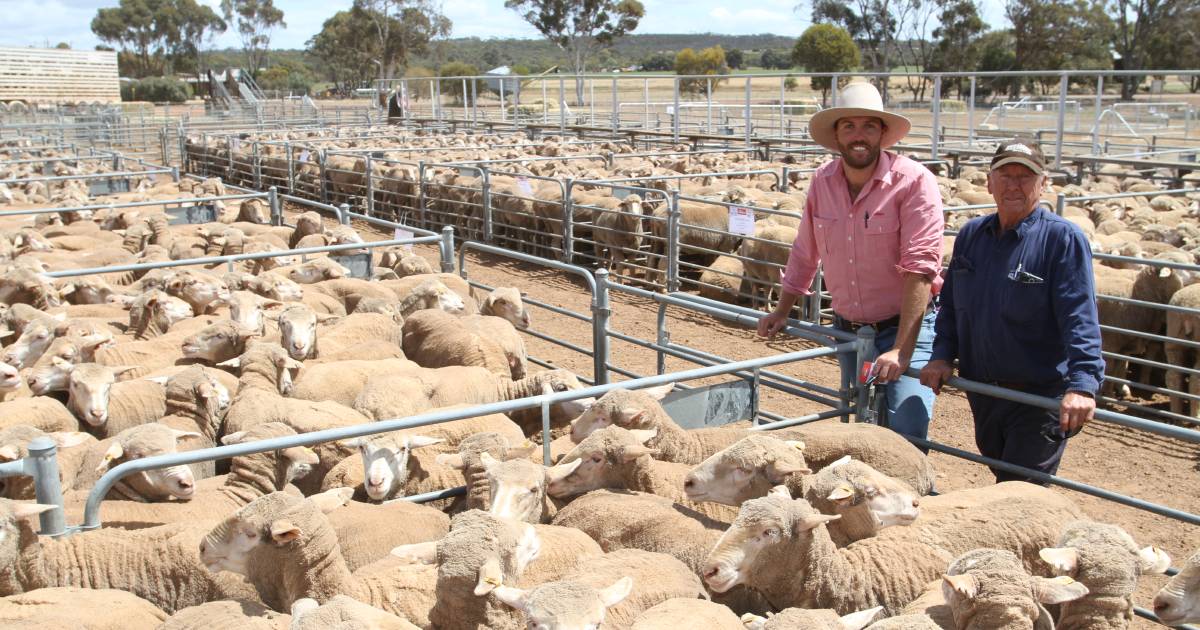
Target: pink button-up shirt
{"x": 895, "y": 225}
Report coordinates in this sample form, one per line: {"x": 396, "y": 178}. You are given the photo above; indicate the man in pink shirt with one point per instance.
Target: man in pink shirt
{"x": 873, "y": 221}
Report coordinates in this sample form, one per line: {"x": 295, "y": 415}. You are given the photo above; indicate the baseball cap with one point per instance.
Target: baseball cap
{"x": 1023, "y": 151}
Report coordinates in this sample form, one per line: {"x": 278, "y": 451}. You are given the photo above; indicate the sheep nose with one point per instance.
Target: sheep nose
{"x": 689, "y": 483}
{"x": 710, "y": 572}
{"x": 916, "y": 502}
{"x": 203, "y": 546}
{"x": 185, "y": 484}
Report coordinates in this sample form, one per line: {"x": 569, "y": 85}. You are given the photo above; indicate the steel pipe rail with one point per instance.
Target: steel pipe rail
{"x": 116, "y": 174}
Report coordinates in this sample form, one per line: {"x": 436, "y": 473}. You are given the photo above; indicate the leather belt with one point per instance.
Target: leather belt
{"x": 841, "y": 323}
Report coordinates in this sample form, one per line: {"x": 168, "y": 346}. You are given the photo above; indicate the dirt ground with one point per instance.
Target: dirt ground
{"x": 1121, "y": 460}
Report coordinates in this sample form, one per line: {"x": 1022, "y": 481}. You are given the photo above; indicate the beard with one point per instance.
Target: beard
{"x": 853, "y": 159}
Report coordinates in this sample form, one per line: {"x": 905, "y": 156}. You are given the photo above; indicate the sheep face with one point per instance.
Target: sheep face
{"x": 558, "y": 381}
{"x": 317, "y": 270}
{"x": 518, "y": 488}
{"x": 1104, "y": 558}
{"x": 865, "y": 498}
{"x": 747, "y": 469}
{"x": 198, "y": 290}
{"x": 600, "y": 461}
{"x": 90, "y": 386}
{"x": 298, "y": 331}
{"x": 506, "y": 302}
{"x": 51, "y": 377}
{"x": 150, "y": 440}
{"x": 385, "y": 463}
{"x": 220, "y": 342}
{"x": 10, "y": 378}
{"x": 1005, "y": 598}
{"x": 565, "y": 605}
{"x": 1179, "y": 601}
{"x": 34, "y": 341}
{"x": 11, "y": 515}
{"x": 248, "y": 309}
{"x": 763, "y": 528}
{"x": 277, "y": 288}
{"x": 88, "y": 290}
{"x": 621, "y": 407}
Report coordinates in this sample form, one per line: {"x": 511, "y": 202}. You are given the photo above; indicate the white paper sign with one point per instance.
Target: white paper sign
{"x": 524, "y": 186}
{"x": 235, "y": 143}
{"x": 304, "y": 155}
{"x": 403, "y": 234}
{"x": 1039, "y": 107}
{"x": 741, "y": 220}
{"x": 670, "y": 110}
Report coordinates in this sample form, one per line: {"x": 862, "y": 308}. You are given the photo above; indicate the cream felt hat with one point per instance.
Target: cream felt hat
{"x": 857, "y": 99}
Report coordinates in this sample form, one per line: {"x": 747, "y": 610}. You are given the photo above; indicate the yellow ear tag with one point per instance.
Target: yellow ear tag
{"x": 493, "y": 581}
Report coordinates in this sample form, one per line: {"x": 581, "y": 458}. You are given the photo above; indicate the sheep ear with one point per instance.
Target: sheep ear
{"x": 417, "y": 441}
{"x": 235, "y": 362}
{"x": 283, "y": 532}
{"x": 234, "y": 438}
{"x": 562, "y": 471}
{"x": 115, "y": 451}
{"x": 325, "y": 318}
{"x": 753, "y": 621}
{"x": 417, "y": 553}
{"x": 1165, "y": 272}
{"x": 9, "y": 452}
{"x": 613, "y": 595}
{"x": 814, "y": 521}
{"x": 778, "y": 471}
{"x": 781, "y": 492}
{"x": 303, "y": 606}
{"x": 658, "y": 393}
{"x": 860, "y": 619}
{"x": 634, "y": 451}
{"x": 1057, "y": 590}
{"x": 490, "y": 577}
{"x": 331, "y": 500}
{"x": 514, "y": 597}
{"x": 644, "y": 435}
{"x": 841, "y": 493}
{"x": 796, "y": 444}
{"x": 964, "y": 585}
{"x": 840, "y": 462}
{"x": 29, "y": 510}
{"x": 525, "y": 449}
{"x": 161, "y": 380}
{"x": 451, "y": 460}
{"x": 183, "y": 435}
{"x": 69, "y": 439}
{"x": 487, "y": 460}
{"x": 301, "y": 455}
{"x": 1062, "y": 559}
{"x": 1153, "y": 560}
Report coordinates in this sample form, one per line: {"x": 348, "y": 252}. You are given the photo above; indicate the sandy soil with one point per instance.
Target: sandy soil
{"x": 1120, "y": 460}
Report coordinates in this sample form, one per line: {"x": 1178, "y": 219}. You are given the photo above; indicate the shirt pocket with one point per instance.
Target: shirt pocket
{"x": 1025, "y": 302}
{"x": 883, "y": 221}
{"x": 962, "y": 279}
{"x": 824, "y": 230}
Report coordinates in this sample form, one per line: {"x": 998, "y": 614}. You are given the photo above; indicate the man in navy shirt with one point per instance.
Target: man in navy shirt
{"x": 1018, "y": 310}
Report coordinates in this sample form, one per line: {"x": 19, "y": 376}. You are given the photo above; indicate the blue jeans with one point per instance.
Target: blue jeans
{"x": 908, "y": 403}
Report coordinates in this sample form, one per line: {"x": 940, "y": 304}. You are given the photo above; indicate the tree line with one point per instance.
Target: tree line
{"x": 386, "y": 39}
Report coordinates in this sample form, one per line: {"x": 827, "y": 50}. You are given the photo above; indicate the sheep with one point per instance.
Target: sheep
{"x": 614, "y": 457}
{"x": 12, "y": 386}
{"x": 266, "y": 372}
{"x": 341, "y": 381}
{"x": 884, "y": 450}
{"x": 988, "y": 588}
{"x": 41, "y": 412}
{"x": 1105, "y": 559}
{"x": 700, "y": 226}
{"x": 683, "y": 612}
{"x": 350, "y": 291}
{"x": 285, "y": 547}
{"x": 430, "y": 294}
{"x": 311, "y": 272}
{"x": 108, "y": 407}
{"x": 227, "y": 615}
{"x": 202, "y": 291}
{"x": 14, "y": 442}
{"x": 1178, "y": 602}
{"x": 724, "y": 280}
{"x": 821, "y": 619}
{"x": 165, "y": 350}
{"x": 469, "y": 460}
{"x": 385, "y": 460}
{"x": 367, "y": 533}
{"x": 158, "y": 564}
{"x": 407, "y": 393}
{"x": 507, "y": 303}
{"x": 626, "y": 583}
{"x": 618, "y": 235}
{"x": 147, "y": 440}
{"x": 343, "y": 612}
{"x": 154, "y": 313}
{"x": 32, "y": 341}
{"x": 517, "y": 488}
{"x": 906, "y": 622}
{"x": 217, "y": 342}
{"x": 382, "y": 306}
{"x": 250, "y": 477}
{"x": 300, "y": 336}
{"x": 73, "y": 607}
{"x": 482, "y": 552}
{"x": 434, "y": 339}
{"x": 405, "y": 286}
{"x": 764, "y": 257}
{"x": 1183, "y": 326}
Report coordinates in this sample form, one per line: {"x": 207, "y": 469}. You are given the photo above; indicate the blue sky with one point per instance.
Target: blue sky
{"x": 38, "y": 22}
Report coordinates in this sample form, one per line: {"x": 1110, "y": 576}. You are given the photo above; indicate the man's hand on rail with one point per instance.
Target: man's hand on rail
{"x": 1076, "y": 410}
{"x": 935, "y": 374}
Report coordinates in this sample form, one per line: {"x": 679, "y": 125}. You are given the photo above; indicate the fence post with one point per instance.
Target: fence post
{"x": 370, "y": 188}
{"x": 562, "y": 104}
{"x": 746, "y": 115}
{"x": 937, "y": 115}
{"x": 1063, "y": 82}
{"x": 485, "y": 202}
{"x": 1099, "y": 106}
{"x": 447, "y": 249}
{"x": 324, "y": 183}
{"x": 257, "y": 168}
{"x": 970, "y": 115}
{"x": 616, "y": 119}
{"x": 864, "y": 352}
{"x": 673, "y": 243}
{"x": 276, "y": 209}
{"x": 344, "y": 214}
{"x": 675, "y": 113}
{"x": 601, "y": 312}
{"x": 568, "y": 226}
{"x": 43, "y": 461}
{"x": 1060, "y": 204}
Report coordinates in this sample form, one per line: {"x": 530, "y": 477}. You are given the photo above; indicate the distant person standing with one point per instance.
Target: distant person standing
{"x": 873, "y": 220}
{"x": 1019, "y": 311}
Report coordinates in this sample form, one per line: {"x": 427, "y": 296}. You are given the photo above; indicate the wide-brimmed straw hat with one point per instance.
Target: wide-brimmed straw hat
{"x": 857, "y": 99}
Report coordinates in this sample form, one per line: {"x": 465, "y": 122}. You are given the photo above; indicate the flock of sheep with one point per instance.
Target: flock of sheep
{"x": 637, "y": 524}
{"x": 628, "y": 233}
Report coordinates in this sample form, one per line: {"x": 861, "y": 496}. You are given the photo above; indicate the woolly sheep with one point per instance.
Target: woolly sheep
{"x": 724, "y": 280}
{"x": 469, "y": 460}
{"x": 227, "y": 615}
{"x": 147, "y": 440}
{"x": 367, "y": 533}
{"x": 41, "y": 412}
{"x": 687, "y": 613}
{"x": 614, "y": 457}
{"x": 1186, "y": 326}
{"x": 507, "y": 303}
{"x": 1105, "y": 559}
{"x": 434, "y": 339}
{"x": 820, "y": 619}
{"x": 14, "y": 442}
{"x": 565, "y": 605}
{"x": 158, "y": 564}
{"x": 108, "y": 407}
{"x": 285, "y": 547}
{"x": 73, "y": 607}
{"x": 385, "y": 461}
{"x": 351, "y": 291}
{"x": 988, "y": 588}
{"x": 342, "y": 612}
{"x": 301, "y": 337}
{"x": 884, "y": 450}
{"x": 517, "y": 488}
{"x": 1179, "y": 601}
{"x": 341, "y": 381}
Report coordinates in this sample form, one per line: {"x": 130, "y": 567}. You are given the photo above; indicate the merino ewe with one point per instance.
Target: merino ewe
{"x": 469, "y": 459}
{"x": 617, "y": 458}
{"x": 286, "y": 548}
{"x": 435, "y": 339}
{"x": 1185, "y": 326}
{"x": 73, "y": 607}
{"x": 1179, "y": 601}
{"x": 765, "y": 256}
{"x": 227, "y": 615}
{"x": 724, "y": 280}
{"x": 824, "y": 443}
{"x": 41, "y": 412}
{"x": 682, "y": 612}
{"x": 1105, "y": 559}
{"x": 158, "y": 564}
{"x": 518, "y": 489}
{"x": 342, "y": 612}
{"x": 619, "y": 236}
{"x": 988, "y": 588}
{"x": 341, "y": 381}
{"x": 108, "y": 407}
{"x": 820, "y": 619}
{"x": 147, "y": 440}
{"x": 508, "y": 303}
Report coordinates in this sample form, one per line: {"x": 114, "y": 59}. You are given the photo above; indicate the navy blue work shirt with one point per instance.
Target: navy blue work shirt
{"x": 1020, "y": 307}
